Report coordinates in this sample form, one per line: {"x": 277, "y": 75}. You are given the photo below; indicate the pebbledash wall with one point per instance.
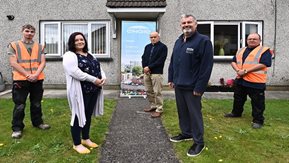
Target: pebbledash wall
{"x": 272, "y": 13}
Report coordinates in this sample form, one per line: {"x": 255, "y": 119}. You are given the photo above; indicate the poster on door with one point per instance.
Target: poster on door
{"x": 134, "y": 37}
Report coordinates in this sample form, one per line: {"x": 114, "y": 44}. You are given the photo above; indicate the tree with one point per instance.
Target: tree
{"x": 136, "y": 70}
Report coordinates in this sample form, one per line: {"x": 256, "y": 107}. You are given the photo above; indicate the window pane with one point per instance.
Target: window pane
{"x": 205, "y": 29}
{"x": 68, "y": 29}
{"x": 51, "y": 38}
{"x": 226, "y": 40}
{"x": 98, "y": 39}
{"x": 250, "y": 28}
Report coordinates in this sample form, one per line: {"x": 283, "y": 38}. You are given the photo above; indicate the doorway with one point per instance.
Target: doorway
{"x": 134, "y": 37}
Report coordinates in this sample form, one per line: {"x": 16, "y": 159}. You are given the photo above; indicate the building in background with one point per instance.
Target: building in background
{"x": 227, "y": 23}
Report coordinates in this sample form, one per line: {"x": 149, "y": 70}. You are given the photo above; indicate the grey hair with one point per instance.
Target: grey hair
{"x": 188, "y": 15}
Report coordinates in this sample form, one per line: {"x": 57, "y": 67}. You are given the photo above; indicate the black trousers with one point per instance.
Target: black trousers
{"x": 20, "y": 92}
{"x": 257, "y": 102}
{"x": 76, "y": 131}
{"x": 190, "y": 114}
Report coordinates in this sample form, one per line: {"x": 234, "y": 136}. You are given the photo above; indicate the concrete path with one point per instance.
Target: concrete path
{"x": 168, "y": 94}
{"x": 136, "y": 137}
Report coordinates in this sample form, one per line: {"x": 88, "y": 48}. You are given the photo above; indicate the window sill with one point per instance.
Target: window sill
{"x": 223, "y": 58}
{"x": 53, "y": 58}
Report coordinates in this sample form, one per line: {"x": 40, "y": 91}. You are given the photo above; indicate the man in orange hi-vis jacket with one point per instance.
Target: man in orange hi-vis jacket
{"x": 27, "y": 60}
{"x": 250, "y": 64}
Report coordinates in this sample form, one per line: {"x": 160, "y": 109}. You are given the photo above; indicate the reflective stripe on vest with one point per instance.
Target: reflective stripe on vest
{"x": 240, "y": 52}
{"x": 252, "y": 59}
{"x": 29, "y": 62}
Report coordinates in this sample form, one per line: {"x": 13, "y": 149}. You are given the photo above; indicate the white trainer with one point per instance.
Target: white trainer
{"x": 16, "y": 134}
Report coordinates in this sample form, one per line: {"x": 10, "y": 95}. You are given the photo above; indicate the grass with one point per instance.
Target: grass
{"x": 227, "y": 140}
{"x": 233, "y": 140}
{"x": 53, "y": 145}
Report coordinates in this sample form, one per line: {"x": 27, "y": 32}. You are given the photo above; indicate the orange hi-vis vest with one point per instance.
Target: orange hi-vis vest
{"x": 252, "y": 59}
{"x": 30, "y": 62}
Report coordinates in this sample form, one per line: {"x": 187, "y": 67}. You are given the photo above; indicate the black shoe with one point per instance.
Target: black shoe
{"x": 180, "y": 138}
{"x": 195, "y": 150}
{"x": 231, "y": 115}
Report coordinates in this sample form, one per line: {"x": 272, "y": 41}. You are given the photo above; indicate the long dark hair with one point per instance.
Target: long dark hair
{"x": 71, "y": 42}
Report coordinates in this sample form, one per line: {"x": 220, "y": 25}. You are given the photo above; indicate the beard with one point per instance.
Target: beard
{"x": 187, "y": 30}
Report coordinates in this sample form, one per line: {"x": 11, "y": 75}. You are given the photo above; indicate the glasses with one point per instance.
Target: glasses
{"x": 153, "y": 37}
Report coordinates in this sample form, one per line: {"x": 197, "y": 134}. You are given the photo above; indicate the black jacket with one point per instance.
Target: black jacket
{"x": 157, "y": 60}
{"x": 191, "y": 63}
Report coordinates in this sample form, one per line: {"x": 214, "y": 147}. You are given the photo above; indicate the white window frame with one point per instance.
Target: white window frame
{"x": 107, "y": 34}
{"x": 42, "y": 37}
{"x": 60, "y": 24}
{"x": 244, "y": 23}
{"x": 238, "y": 27}
{"x": 211, "y": 31}
{"x": 241, "y": 36}
{"x": 62, "y": 32}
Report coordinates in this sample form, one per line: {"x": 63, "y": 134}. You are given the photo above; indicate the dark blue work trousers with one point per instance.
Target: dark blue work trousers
{"x": 20, "y": 92}
{"x": 190, "y": 114}
{"x": 257, "y": 102}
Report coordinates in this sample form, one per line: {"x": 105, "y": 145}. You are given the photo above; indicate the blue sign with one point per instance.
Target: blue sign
{"x": 134, "y": 37}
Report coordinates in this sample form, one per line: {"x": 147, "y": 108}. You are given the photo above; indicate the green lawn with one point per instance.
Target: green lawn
{"x": 233, "y": 140}
{"x": 227, "y": 140}
{"x": 53, "y": 145}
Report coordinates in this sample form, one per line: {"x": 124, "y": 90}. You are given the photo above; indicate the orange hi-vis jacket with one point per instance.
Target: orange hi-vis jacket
{"x": 30, "y": 62}
{"x": 252, "y": 59}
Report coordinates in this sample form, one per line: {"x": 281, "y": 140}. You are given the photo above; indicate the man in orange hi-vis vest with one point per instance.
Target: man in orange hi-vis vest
{"x": 27, "y": 60}
{"x": 250, "y": 64}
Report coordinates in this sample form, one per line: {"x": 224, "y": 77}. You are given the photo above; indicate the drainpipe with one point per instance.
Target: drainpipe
{"x": 275, "y": 37}
{"x": 2, "y": 84}
{"x": 113, "y": 25}
{"x": 158, "y": 22}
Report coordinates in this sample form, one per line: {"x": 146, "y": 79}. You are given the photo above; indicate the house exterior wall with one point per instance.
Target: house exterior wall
{"x": 235, "y": 10}
{"x": 281, "y": 69}
{"x": 32, "y": 11}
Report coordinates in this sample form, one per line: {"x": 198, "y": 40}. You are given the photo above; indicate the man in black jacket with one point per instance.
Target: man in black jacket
{"x": 189, "y": 72}
{"x": 153, "y": 60}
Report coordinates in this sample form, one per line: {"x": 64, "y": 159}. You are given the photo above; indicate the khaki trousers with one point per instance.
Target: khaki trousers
{"x": 153, "y": 86}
